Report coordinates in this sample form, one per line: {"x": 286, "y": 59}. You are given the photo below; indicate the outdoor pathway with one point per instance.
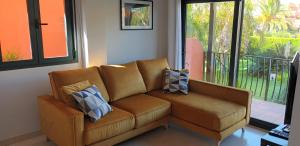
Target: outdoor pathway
{"x": 268, "y": 111}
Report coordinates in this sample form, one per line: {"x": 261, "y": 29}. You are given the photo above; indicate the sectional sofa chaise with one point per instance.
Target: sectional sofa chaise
{"x": 139, "y": 104}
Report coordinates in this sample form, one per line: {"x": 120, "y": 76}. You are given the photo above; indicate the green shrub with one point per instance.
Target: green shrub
{"x": 272, "y": 46}
{"x": 9, "y": 56}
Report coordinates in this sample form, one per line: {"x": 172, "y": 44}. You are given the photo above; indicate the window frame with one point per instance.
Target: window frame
{"x": 35, "y": 30}
{"x": 236, "y": 33}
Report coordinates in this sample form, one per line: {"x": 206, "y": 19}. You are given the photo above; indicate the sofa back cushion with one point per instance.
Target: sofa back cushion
{"x": 152, "y": 72}
{"x": 122, "y": 80}
{"x": 59, "y": 79}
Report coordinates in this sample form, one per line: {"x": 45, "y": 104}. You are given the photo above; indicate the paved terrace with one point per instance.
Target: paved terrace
{"x": 268, "y": 111}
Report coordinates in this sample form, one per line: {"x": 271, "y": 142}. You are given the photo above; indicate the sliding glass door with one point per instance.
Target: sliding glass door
{"x": 210, "y": 37}
{"x": 271, "y": 37}
{"x": 245, "y": 44}
{"x": 208, "y": 40}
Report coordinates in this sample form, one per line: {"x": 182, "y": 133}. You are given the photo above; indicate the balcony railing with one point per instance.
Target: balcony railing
{"x": 266, "y": 77}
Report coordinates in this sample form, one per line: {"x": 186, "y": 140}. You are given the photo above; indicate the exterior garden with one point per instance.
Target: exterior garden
{"x": 270, "y": 38}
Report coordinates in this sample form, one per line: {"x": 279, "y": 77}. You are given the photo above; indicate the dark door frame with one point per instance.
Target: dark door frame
{"x": 237, "y": 19}
{"x": 235, "y": 45}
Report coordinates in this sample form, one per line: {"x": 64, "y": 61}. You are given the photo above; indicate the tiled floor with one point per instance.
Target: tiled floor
{"x": 264, "y": 110}
{"x": 174, "y": 136}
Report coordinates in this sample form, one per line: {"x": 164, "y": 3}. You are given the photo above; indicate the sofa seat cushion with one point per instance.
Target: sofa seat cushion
{"x": 145, "y": 108}
{"x": 114, "y": 123}
{"x": 205, "y": 111}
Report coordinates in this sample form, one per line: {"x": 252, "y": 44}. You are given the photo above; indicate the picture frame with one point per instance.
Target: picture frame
{"x": 136, "y": 14}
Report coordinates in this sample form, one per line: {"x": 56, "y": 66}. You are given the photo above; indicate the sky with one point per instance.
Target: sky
{"x": 283, "y": 2}
{"x": 289, "y": 1}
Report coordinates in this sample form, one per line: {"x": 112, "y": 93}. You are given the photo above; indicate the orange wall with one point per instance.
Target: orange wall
{"x": 14, "y": 28}
{"x": 54, "y": 36}
{"x": 14, "y": 32}
{"x": 194, "y": 58}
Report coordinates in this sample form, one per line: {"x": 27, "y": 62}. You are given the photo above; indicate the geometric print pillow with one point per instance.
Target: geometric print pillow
{"x": 176, "y": 80}
{"x": 70, "y": 89}
{"x": 92, "y": 103}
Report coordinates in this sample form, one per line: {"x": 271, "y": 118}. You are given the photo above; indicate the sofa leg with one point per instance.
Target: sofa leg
{"x": 243, "y": 130}
{"x": 218, "y": 143}
{"x": 47, "y": 139}
{"x": 166, "y": 126}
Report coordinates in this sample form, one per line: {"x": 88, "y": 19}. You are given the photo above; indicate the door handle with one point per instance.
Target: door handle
{"x": 38, "y": 24}
{"x": 43, "y": 23}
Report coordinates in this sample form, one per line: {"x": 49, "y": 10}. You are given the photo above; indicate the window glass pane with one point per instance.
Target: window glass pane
{"x": 270, "y": 39}
{"x": 15, "y": 41}
{"x": 197, "y": 34}
{"x": 55, "y": 33}
{"x": 208, "y": 40}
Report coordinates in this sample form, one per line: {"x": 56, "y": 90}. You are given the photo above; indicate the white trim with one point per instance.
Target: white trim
{"x": 20, "y": 138}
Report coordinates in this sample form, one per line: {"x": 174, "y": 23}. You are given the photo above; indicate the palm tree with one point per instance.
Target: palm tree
{"x": 271, "y": 18}
{"x": 249, "y": 25}
{"x": 198, "y": 22}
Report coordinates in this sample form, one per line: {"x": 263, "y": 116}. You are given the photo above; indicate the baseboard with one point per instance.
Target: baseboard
{"x": 255, "y": 127}
{"x": 20, "y": 138}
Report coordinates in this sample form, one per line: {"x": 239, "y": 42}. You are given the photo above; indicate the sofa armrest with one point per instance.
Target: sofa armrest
{"x": 61, "y": 123}
{"x": 238, "y": 96}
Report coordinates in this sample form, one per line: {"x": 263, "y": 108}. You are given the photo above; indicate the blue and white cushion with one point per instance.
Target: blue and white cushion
{"x": 91, "y": 102}
{"x": 176, "y": 80}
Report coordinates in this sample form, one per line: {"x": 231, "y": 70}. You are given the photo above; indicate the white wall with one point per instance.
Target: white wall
{"x": 18, "y": 93}
{"x": 295, "y": 131}
{"x": 19, "y": 90}
{"x": 108, "y": 44}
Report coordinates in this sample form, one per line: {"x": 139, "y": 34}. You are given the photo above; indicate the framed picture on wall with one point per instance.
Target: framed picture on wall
{"x": 136, "y": 14}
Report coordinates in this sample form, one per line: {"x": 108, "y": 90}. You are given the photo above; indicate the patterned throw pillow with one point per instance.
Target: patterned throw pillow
{"x": 91, "y": 102}
{"x": 176, "y": 80}
{"x": 70, "y": 89}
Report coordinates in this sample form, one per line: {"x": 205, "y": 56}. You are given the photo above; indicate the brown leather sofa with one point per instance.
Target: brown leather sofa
{"x": 139, "y": 105}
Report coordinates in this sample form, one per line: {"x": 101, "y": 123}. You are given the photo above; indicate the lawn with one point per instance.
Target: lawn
{"x": 275, "y": 91}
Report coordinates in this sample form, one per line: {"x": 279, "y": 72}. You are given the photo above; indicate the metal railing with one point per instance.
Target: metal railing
{"x": 266, "y": 77}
